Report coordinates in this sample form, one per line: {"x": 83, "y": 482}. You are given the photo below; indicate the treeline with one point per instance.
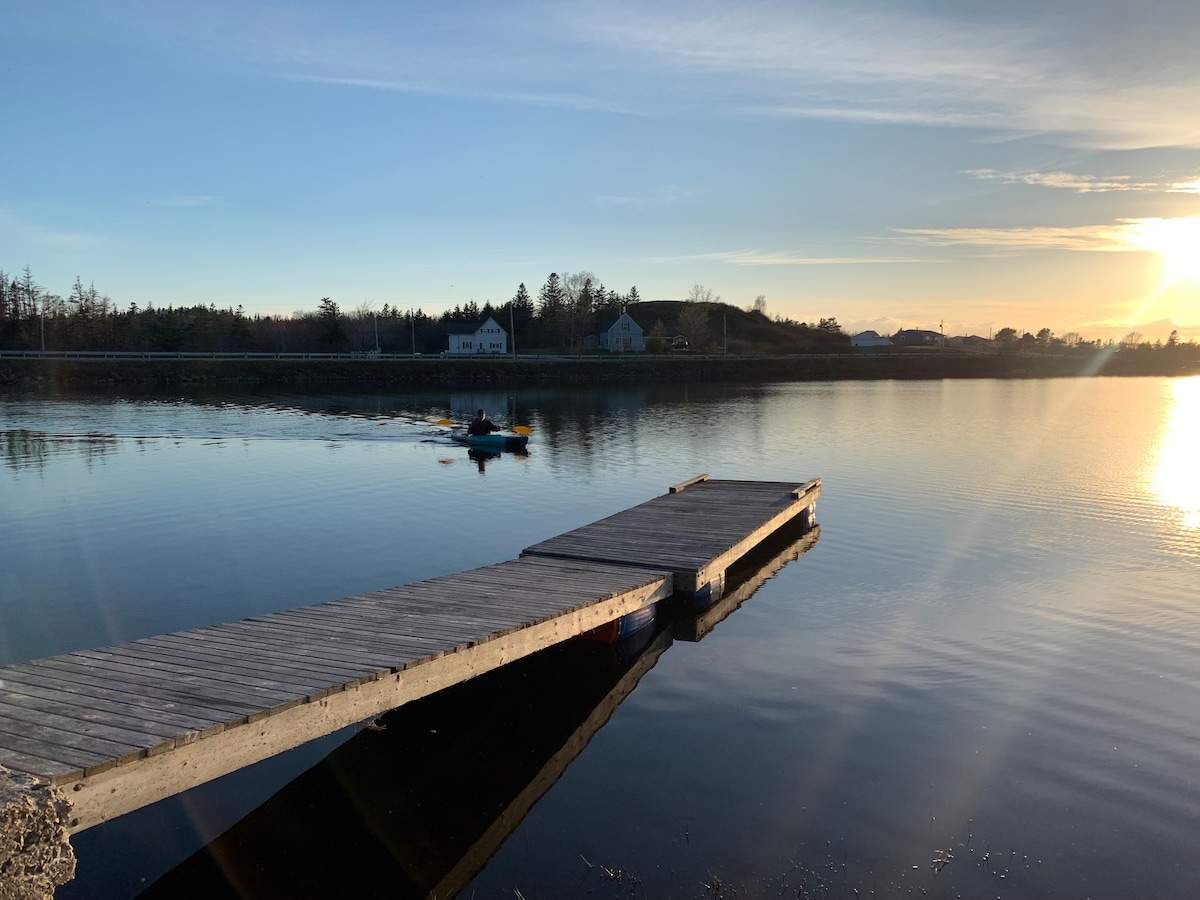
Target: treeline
{"x": 564, "y": 316}
{"x": 1010, "y": 340}
{"x": 32, "y": 318}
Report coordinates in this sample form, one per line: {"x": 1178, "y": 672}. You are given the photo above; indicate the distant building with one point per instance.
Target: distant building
{"x": 621, "y": 334}
{"x": 915, "y": 337}
{"x": 486, "y": 338}
{"x": 869, "y": 339}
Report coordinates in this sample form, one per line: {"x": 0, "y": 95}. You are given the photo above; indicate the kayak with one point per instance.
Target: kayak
{"x": 497, "y": 440}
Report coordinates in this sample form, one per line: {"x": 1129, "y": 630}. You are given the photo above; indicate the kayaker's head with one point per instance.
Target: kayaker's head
{"x": 480, "y": 414}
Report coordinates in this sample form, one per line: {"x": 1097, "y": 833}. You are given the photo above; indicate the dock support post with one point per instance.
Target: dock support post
{"x": 35, "y": 855}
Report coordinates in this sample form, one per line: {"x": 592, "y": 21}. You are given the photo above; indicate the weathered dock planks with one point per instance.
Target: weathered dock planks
{"x": 124, "y": 726}
{"x": 697, "y": 530}
{"x": 119, "y": 727}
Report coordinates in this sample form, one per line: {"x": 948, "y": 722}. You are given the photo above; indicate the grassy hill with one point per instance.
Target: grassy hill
{"x": 707, "y": 324}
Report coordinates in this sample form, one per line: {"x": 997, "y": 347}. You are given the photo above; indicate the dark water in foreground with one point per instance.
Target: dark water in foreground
{"x": 990, "y": 652}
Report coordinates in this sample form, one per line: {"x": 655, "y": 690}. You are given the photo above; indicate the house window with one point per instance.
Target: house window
{"x": 624, "y": 326}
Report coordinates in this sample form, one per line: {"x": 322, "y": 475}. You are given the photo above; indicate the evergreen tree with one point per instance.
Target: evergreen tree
{"x": 522, "y": 306}
{"x": 581, "y": 312}
{"x": 552, "y": 302}
{"x": 29, "y": 292}
{"x": 521, "y": 317}
{"x": 608, "y": 302}
{"x": 633, "y": 296}
{"x": 330, "y": 333}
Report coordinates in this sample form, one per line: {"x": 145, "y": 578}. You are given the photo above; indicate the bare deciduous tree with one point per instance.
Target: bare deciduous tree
{"x": 700, "y": 294}
{"x": 693, "y": 324}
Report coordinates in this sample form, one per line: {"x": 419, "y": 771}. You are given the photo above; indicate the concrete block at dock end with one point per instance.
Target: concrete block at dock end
{"x": 35, "y": 855}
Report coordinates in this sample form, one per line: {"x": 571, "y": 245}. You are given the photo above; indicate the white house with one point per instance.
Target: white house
{"x": 622, "y": 334}
{"x": 869, "y": 339}
{"x": 486, "y": 338}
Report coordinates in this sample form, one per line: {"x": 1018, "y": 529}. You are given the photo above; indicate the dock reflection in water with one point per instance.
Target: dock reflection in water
{"x": 417, "y": 809}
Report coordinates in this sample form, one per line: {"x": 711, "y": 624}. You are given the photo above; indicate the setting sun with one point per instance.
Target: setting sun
{"x": 1178, "y": 240}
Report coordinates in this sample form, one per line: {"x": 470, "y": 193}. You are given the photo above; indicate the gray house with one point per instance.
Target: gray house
{"x": 915, "y": 337}
{"x": 621, "y": 334}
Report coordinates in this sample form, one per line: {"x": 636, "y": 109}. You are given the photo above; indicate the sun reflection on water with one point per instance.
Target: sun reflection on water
{"x": 1176, "y": 475}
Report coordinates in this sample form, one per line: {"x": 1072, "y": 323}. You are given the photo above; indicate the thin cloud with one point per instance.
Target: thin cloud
{"x": 1185, "y": 187}
{"x": 41, "y": 234}
{"x": 757, "y": 258}
{"x": 184, "y": 200}
{"x": 664, "y": 195}
{"x": 1083, "y": 184}
{"x": 611, "y": 200}
{"x": 1121, "y": 236}
{"x": 523, "y": 98}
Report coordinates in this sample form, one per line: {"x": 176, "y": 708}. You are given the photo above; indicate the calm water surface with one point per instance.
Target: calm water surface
{"x": 991, "y": 651}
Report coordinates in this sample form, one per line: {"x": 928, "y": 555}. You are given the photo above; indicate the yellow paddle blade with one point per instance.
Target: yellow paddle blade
{"x": 522, "y": 429}
{"x": 444, "y": 422}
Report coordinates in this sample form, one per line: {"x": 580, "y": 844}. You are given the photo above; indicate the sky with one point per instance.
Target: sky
{"x": 961, "y": 166}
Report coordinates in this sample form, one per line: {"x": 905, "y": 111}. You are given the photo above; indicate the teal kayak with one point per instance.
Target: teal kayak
{"x": 497, "y": 440}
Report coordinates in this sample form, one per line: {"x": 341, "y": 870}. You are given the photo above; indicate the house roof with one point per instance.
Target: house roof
{"x": 470, "y": 327}
{"x": 612, "y": 319}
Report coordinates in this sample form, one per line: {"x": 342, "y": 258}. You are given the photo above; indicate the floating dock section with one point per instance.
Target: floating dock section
{"x": 697, "y": 531}
{"x": 103, "y": 732}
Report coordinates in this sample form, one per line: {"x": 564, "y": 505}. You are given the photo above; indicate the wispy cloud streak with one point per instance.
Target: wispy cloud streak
{"x": 41, "y": 234}
{"x": 758, "y": 258}
{"x": 1145, "y": 234}
{"x": 664, "y": 195}
{"x": 184, "y": 200}
{"x": 1083, "y": 184}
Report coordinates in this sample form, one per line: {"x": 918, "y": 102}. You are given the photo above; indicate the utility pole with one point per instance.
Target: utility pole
{"x": 512, "y": 328}
{"x": 413, "y": 322}
{"x": 376, "y": 331}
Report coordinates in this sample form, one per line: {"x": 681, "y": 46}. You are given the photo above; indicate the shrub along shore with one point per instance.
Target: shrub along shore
{"x": 86, "y": 373}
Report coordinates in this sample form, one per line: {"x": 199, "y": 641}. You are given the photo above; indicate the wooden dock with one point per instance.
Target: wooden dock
{"x": 116, "y": 728}
{"x": 476, "y": 759}
{"x": 698, "y": 530}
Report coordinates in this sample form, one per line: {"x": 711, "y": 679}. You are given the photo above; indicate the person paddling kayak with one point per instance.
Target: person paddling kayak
{"x": 481, "y": 424}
